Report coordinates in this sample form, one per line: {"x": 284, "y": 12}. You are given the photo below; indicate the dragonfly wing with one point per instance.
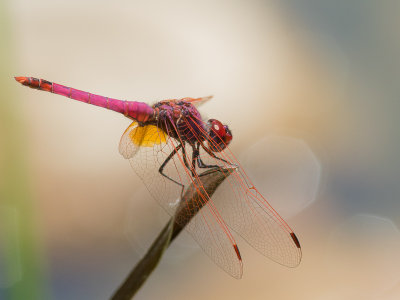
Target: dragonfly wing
{"x": 147, "y": 148}
{"x": 215, "y": 239}
{"x": 248, "y": 213}
{"x": 197, "y": 101}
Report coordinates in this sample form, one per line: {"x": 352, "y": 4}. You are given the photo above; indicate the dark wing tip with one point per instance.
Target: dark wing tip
{"x": 295, "y": 239}
{"x": 237, "y": 252}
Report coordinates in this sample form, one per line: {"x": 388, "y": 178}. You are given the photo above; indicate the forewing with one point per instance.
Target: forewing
{"x": 213, "y": 236}
{"x": 147, "y": 148}
{"x": 248, "y": 213}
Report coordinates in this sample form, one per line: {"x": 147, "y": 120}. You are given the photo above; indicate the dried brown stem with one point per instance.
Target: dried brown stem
{"x": 210, "y": 179}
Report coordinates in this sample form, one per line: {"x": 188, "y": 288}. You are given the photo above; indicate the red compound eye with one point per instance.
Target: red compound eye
{"x": 228, "y": 135}
{"x": 219, "y": 135}
{"x": 218, "y": 128}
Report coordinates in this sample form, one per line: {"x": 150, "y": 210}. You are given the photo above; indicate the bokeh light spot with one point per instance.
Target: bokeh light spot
{"x": 285, "y": 171}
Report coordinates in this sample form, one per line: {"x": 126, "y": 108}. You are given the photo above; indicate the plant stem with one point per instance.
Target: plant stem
{"x": 210, "y": 180}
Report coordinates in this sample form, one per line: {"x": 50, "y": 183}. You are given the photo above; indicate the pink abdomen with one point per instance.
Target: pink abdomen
{"x": 139, "y": 111}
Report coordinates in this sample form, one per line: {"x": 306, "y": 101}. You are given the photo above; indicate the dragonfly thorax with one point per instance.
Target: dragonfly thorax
{"x": 181, "y": 120}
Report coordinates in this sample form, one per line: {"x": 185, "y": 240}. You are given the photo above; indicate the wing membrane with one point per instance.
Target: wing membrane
{"x": 147, "y": 148}
{"x": 236, "y": 202}
{"x": 248, "y": 213}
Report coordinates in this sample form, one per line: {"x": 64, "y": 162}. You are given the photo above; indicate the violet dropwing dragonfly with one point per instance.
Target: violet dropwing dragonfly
{"x": 168, "y": 145}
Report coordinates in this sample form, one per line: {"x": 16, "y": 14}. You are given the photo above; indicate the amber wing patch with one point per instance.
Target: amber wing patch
{"x": 147, "y": 136}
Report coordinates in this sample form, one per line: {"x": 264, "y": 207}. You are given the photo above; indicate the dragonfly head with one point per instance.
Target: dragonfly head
{"x": 219, "y": 136}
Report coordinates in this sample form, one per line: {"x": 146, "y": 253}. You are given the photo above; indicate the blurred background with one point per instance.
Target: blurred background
{"x": 309, "y": 88}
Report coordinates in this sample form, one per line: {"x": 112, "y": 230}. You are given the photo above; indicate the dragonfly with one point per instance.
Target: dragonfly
{"x": 169, "y": 145}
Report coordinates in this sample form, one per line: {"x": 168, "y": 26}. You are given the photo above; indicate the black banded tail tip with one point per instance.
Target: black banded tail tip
{"x": 295, "y": 239}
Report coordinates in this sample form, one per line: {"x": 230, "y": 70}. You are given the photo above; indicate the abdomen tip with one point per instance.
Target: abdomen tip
{"x": 20, "y": 79}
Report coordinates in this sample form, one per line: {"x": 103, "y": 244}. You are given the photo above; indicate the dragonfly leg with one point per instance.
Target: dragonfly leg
{"x": 192, "y": 169}
{"x": 216, "y": 157}
{"x": 161, "y": 169}
{"x": 200, "y": 163}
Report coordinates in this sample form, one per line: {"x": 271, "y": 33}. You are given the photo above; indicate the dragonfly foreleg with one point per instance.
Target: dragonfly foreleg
{"x": 200, "y": 163}
{"x": 216, "y": 157}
